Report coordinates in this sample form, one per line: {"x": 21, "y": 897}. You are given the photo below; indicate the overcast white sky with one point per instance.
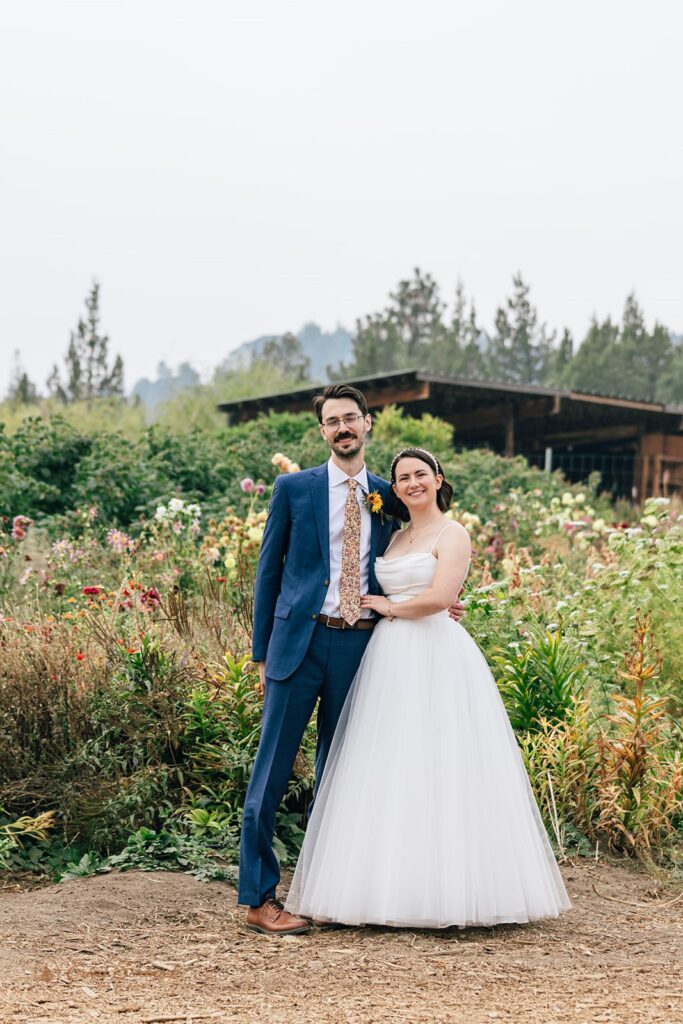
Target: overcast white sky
{"x": 228, "y": 168}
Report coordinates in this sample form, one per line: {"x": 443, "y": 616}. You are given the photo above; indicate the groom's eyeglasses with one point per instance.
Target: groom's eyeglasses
{"x": 349, "y": 421}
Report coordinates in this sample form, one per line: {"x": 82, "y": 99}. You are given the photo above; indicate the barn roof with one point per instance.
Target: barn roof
{"x": 479, "y": 408}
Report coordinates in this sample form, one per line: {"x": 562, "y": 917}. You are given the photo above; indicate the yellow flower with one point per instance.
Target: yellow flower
{"x": 374, "y": 501}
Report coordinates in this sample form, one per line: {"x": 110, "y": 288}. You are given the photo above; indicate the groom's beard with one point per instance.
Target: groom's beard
{"x": 351, "y": 451}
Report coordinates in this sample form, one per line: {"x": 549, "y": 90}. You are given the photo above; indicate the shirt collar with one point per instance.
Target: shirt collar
{"x": 338, "y": 476}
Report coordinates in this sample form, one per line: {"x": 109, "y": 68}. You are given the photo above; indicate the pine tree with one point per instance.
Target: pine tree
{"x": 521, "y": 350}
{"x": 402, "y": 335}
{"x": 417, "y": 311}
{"x": 88, "y": 373}
{"x": 562, "y": 359}
{"x": 22, "y": 390}
{"x": 595, "y": 365}
{"x": 473, "y": 359}
{"x": 455, "y": 350}
{"x": 625, "y": 360}
{"x": 670, "y": 383}
{"x": 447, "y": 343}
{"x": 644, "y": 357}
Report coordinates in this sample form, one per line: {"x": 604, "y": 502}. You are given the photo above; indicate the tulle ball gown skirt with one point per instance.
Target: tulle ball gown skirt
{"x": 425, "y": 816}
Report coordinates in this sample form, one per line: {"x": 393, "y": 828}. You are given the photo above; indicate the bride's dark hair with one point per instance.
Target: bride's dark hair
{"x": 443, "y": 496}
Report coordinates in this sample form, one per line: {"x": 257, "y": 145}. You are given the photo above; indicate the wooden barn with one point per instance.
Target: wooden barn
{"x": 637, "y": 447}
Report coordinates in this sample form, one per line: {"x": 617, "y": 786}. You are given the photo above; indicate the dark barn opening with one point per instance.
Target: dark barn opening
{"x": 637, "y": 447}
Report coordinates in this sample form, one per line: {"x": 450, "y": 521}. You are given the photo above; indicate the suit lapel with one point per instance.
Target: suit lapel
{"x": 320, "y": 497}
{"x": 375, "y": 529}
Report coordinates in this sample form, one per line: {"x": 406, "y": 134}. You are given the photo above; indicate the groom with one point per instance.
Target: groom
{"x": 317, "y": 557}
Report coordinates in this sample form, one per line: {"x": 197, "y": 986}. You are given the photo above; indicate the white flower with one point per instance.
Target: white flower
{"x": 176, "y": 505}
{"x": 470, "y": 520}
{"x": 160, "y": 512}
{"x": 580, "y": 498}
{"x": 567, "y": 498}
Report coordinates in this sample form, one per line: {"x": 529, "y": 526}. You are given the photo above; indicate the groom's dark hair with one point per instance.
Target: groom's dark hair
{"x": 339, "y": 391}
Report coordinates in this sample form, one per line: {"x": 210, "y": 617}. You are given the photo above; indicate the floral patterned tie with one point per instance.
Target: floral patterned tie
{"x": 349, "y": 584}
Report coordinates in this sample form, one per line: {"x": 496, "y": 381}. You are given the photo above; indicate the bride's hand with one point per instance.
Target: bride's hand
{"x": 457, "y": 609}
{"x": 378, "y": 603}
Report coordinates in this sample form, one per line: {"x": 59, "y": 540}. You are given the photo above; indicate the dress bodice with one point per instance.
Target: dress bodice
{"x": 405, "y": 576}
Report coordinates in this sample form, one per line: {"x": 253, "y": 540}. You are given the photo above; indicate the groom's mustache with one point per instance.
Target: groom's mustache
{"x": 344, "y": 437}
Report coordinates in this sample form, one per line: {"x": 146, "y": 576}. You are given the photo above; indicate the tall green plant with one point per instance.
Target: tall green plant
{"x": 540, "y": 680}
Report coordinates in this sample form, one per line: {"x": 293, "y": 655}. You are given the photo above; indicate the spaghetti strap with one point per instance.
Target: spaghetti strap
{"x": 391, "y": 540}
{"x": 436, "y": 539}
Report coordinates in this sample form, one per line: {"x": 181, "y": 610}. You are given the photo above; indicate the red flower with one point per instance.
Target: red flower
{"x": 150, "y": 598}
{"x": 80, "y": 656}
{"x": 92, "y": 590}
{"x": 131, "y": 650}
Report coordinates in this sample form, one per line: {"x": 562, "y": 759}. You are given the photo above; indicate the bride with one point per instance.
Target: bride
{"x": 424, "y": 816}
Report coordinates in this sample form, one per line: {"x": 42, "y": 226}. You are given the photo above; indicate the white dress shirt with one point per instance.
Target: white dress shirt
{"x": 338, "y": 484}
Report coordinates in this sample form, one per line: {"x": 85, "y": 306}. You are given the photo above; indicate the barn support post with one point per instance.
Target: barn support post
{"x": 510, "y": 431}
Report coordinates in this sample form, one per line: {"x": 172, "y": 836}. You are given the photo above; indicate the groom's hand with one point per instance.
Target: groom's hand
{"x": 261, "y": 666}
{"x": 457, "y": 609}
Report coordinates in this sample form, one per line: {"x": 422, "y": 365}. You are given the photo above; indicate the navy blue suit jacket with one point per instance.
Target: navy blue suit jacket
{"x": 294, "y": 566}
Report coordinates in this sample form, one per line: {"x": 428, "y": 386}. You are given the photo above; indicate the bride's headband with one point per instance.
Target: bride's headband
{"x": 414, "y": 448}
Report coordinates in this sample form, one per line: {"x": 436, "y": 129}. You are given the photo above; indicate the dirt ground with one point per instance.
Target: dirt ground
{"x": 140, "y": 948}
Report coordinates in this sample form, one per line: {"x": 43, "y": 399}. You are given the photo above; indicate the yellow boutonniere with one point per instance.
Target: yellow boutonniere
{"x": 373, "y": 502}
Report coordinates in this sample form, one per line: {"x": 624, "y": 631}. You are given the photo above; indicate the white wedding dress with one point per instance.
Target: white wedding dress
{"x": 424, "y": 816}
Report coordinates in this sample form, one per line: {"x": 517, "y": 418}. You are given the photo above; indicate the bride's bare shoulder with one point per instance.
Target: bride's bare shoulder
{"x": 454, "y": 538}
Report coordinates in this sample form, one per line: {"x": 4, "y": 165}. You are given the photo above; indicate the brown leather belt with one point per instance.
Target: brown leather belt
{"x": 328, "y": 620}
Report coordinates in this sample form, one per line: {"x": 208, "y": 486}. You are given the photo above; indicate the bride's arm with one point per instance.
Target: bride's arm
{"x": 454, "y": 551}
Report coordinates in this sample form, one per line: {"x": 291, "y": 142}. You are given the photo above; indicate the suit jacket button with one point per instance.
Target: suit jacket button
{"x": 314, "y": 616}
{"x": 326, "y": 583}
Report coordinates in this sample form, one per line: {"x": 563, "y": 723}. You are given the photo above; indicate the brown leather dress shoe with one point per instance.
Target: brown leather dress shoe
{"x": 271, "y": 918}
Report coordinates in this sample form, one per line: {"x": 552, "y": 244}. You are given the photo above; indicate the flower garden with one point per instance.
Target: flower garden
{"x": 129, "y": 709}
